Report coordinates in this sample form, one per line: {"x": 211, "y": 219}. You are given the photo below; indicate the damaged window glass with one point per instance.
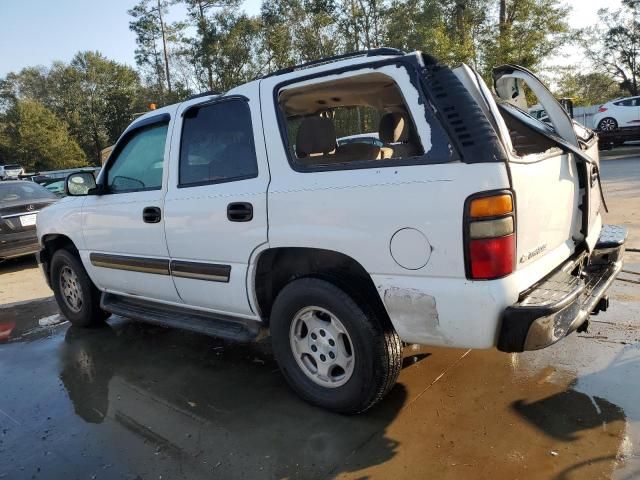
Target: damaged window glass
{"x": 357, "y": 118}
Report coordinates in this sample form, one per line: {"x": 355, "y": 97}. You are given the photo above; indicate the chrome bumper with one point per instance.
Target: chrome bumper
{"x": 563, "y": 301}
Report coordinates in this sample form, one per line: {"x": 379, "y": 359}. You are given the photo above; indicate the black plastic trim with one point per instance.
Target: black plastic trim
{"x": 156, "y": 266}
{"x": 323, "y": 61}
{"x": 201, "y": 271}
{"x": 208, "y": 323}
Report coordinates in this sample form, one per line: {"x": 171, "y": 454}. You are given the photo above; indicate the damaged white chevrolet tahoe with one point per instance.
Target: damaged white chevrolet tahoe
{"x": 465, "y": 222}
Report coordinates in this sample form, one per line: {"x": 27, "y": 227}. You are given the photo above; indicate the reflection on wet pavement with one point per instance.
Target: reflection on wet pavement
{"x": 135, "y": 401}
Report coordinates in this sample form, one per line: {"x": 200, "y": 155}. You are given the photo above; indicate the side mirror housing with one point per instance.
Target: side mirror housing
{"x": 79, "y": 184}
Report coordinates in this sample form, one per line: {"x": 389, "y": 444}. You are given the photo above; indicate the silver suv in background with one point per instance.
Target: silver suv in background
{"x": 10, "y": 172}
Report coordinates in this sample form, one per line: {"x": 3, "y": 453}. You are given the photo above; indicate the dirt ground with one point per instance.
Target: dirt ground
{"x": 134, "y": 401}
{"x": 21, "y": 280}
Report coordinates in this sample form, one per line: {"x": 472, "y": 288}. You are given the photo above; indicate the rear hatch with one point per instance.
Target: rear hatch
{"x": 553, "y": 167}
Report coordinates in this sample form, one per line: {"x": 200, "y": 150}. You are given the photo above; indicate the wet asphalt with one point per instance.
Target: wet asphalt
{"x": 135, "y": 401}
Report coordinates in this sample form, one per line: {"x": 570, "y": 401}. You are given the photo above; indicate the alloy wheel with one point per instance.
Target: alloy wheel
{"x": 322, "y": 347}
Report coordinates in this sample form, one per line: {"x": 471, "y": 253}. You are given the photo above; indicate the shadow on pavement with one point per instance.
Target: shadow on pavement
{"x": 565, "y": 414}
{"x": 572, "y": 414}
{"x": 200, "y": 402}
{"x": 13, "y": 265}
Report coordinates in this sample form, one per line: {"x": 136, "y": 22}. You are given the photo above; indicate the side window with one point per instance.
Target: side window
{"x": 630, "y": 102}
{"x": 138, "y": 165}
{"x": 344, "y": 122}
{"x": 217, "y": 144}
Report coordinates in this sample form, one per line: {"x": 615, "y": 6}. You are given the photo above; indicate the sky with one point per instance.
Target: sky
{"x": 37, "y": 32}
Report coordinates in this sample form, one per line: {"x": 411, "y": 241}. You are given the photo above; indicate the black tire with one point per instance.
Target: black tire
{"x": 377, "y": 349}
{"x": 608, "y": 124}
{"x": 89, "y": 312}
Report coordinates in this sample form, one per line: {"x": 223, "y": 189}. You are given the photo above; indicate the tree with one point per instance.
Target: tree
{"x": 37, "y": 139}
{"x": 526, "y": 32}
{"x": 446, "y": 29}
{"x": 585, "y": 88}
{"x": 95, "y": 96}
{"x": 202, "y": 45}
{"x": 613, "y": 45}
{"x": 150, "y": 28}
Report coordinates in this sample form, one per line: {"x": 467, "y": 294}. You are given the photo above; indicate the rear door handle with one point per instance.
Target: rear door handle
{"x": 151, "y": 215}
{"x": 240, "y": 212}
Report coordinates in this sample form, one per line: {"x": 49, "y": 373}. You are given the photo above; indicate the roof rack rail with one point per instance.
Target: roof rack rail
{"x": 202, "y": 94}
{"x": 376, "y": 52}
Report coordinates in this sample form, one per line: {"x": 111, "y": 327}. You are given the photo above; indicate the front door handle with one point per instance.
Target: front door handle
{"x": 240, "y": 212}
{"x": 151, "y": 215}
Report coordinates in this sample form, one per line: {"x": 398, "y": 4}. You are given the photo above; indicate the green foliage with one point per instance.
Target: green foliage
{"x": 526, "y": 32}
{"x": 34, "y": 137}
{"x": 613, "y": 45}
{"x": 217, "y": 46}
{"x": 590, "y": 88}
{"x": 96, "y": 97}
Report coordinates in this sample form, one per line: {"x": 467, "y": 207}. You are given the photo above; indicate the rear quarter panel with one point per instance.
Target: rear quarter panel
{"x": 357, "y": 212}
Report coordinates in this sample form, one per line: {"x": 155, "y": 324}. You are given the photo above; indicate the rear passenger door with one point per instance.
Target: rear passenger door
{"x": 215, "y": 208}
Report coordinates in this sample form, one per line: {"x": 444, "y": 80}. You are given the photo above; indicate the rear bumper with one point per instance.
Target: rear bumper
{"x": 562, "y": 302}
{"x": 18, "y": 244}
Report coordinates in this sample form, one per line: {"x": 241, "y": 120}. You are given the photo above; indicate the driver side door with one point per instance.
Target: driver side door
{"x": 125, "y": 248}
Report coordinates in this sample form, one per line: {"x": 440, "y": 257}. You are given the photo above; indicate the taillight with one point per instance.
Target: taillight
{"x": 602, "y": 108}
{"x": 489, "y": 235}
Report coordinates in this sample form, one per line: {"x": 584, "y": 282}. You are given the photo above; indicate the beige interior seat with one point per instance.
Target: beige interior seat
{"x": 316, "y": 144}
{"x": 395, "y": 132}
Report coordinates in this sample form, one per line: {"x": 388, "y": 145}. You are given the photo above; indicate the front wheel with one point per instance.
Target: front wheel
{"x": 333, "y": 352}
{"x": 608, "y": 124}
{"x": 76, "y": 295}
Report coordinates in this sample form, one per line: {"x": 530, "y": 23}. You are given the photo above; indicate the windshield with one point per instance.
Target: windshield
{"x": 13, "y": 192}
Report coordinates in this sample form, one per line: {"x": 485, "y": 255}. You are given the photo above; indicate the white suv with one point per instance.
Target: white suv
{"x": 236, "y": 215}
{"x": 10, "y": 172}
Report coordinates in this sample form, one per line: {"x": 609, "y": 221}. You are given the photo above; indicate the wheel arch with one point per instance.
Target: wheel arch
{"x": 52, "y": 242}
{"x": 276, "y": 267}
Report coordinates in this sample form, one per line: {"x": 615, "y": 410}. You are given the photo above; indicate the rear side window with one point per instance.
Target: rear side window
{"x": 629, "y": 102}
{"x": 217, "y": 144}
{"x": 356, "y": 121}
{"x": 138, "y": 163}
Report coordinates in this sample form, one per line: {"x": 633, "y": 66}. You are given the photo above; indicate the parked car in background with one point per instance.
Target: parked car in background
{"x": 55, "y": 180}
{"x": 10, "y": 172}
{"x": 366, "y": 138}
{"x": 20, "y": 202}
{"x": 238, "y": 215}
{"x": 618, "y": 113}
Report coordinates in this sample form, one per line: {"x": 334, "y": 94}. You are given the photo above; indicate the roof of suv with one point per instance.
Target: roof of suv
{"x": 323, "y": 64}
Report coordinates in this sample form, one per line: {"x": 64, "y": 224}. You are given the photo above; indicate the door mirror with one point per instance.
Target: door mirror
{"x": 80, "y": 183}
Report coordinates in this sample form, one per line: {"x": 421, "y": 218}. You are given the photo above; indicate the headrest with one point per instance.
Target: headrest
{"x": 394, "y": 128}
{"x": 315, "y": 135}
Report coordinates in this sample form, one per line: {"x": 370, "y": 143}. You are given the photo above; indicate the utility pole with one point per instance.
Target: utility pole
{"x": 164, "y": 46}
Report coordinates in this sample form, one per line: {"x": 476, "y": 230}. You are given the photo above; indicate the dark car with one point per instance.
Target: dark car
{"x": 20, "y": 201}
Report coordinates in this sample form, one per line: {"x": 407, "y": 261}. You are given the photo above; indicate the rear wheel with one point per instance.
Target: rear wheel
{"x": 76, "y": 295}
{"x": 608, "y": 124}
{"x": 333, "y": 352}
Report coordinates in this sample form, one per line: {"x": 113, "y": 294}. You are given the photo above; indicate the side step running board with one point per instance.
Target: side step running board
{"x": 229, "y": 328}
